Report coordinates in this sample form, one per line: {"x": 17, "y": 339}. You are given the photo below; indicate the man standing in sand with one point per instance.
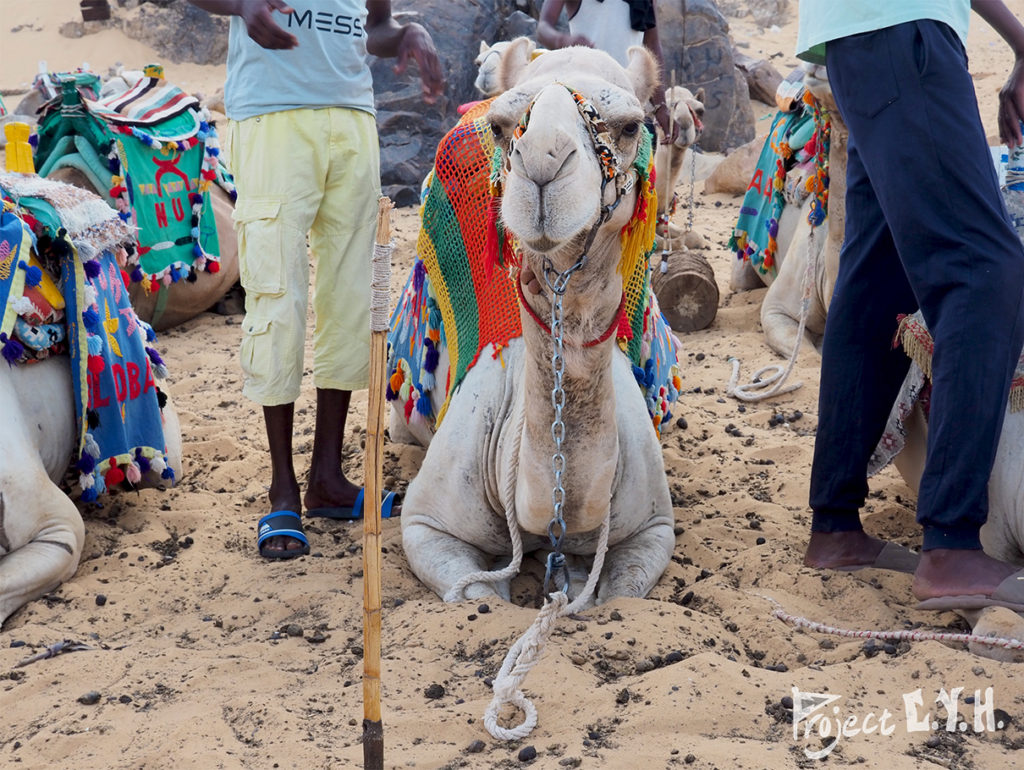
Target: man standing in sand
{"x": 925, "y": 227}
{"x": 304, "y": 152}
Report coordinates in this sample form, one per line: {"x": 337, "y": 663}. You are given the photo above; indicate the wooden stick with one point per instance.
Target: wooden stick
{"x": 373, "y": 728}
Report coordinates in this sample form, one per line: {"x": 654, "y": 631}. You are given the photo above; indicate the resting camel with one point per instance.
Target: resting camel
{"x": 687, "y": 113}
{"x": 798, "y": 243}
{"x": 41, "y": 530}
{"x": 492, "y": 454}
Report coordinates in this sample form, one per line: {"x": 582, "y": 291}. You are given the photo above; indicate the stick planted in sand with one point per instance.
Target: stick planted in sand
{"x": 373, "y": 728}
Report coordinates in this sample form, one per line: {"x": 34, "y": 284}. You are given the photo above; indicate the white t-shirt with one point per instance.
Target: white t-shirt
{"x": 607, "y": 26}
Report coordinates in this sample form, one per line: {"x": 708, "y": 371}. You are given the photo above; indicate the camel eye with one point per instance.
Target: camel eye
{"x": 496, "y": 130}
{"x": 630, "y": 129}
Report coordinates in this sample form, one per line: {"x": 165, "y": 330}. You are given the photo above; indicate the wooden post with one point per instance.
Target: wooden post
{"x": 373, "y": 728}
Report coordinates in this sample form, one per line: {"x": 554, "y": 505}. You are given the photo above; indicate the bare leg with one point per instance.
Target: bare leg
{"x": 284, "y": 487}
{"x": 327, "y": 483}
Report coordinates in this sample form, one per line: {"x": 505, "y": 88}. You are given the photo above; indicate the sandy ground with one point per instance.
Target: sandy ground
{"x": 206, "y": 656}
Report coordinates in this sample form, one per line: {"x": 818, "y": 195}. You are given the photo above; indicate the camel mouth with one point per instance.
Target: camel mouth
{"x": 542, "y": 244}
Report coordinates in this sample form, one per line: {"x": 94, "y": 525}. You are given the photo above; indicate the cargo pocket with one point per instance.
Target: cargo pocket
{"x": 255, "y": 350}
{"x": 260, "y": 245}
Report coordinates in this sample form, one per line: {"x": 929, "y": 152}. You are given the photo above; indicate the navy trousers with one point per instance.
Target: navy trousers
{"x": 926, "y": 228}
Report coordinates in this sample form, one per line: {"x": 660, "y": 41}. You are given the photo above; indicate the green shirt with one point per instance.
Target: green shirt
{"x": 824, "y": 20}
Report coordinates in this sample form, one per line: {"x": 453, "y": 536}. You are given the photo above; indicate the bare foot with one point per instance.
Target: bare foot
{"x": 832, "y": 550}
{"x": 327, "y": 493}
{"x": 947, "y": 572}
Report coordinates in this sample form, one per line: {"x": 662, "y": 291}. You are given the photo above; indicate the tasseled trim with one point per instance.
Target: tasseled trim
{"x": 11, "y": 349}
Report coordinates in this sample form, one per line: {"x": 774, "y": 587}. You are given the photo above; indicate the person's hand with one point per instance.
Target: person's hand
{"x": 669, "y": 128}
{"x": 417, "y": 44}
{"x": 1011, "y": 106}
{"x": 568, "y": 40}
{"x": 260, "y": 24}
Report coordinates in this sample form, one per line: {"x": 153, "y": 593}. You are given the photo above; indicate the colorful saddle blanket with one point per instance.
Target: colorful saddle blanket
{"x": 153, "y": 153}
{"x": 797, "y": 141}
{"x": 456, "y": 300}
{"x": 117, "y": 401}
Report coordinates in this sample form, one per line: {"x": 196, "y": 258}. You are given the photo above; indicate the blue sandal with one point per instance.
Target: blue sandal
{"x": 355, "y": 511}
{"x": 281, "y": 524}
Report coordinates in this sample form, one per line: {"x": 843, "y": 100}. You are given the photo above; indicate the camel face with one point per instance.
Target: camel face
{"x": 687, "y": 113}
{"x": 555, "y": 185}
{"x": 486, "y": 63}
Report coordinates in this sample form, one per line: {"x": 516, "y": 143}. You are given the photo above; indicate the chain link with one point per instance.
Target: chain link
{"x": 693, "y": 180}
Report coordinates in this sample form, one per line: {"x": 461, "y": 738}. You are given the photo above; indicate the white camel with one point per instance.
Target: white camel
{"x": 41, "y": 530}
{"x": 492, "y": 454}
{"x": 687, "y": 113}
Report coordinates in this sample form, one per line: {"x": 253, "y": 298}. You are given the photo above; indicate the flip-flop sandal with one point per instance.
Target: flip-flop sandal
{"x": 281, "y": 524}
{"x": 893, "y": 556}
{"x": 1009, "y": 594}
{"x": 355, "y": 511}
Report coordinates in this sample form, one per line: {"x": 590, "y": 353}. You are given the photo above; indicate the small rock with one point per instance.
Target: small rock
{"x": 623, "y": 697}
{"x": 615, "y": 615}
{"x": 483, "y": 609}
{"x": 293, "y": 629}
{"x": 674, "y": 657}
{"x": 760, "y": 541}
{"x": 125, "y": 699}
{"x": 317, "y": 637}
{"x": 101, "y": 599}
{"x": 689, "y": 759}
{"x": 681, "y": 423}
{"x": 787, "y": 702}
{"x": 90, "y": 698}
{"x": 434, "y": 692}
{"x": 527, "y": 754}
{"x": 932, "y": 742}
{"x": 476, "y": 747}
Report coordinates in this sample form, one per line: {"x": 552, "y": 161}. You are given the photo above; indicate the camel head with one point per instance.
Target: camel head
{"x": 557, "y": 113}
{"x": 486, "y": 63}
{"x": 687, "y": 112}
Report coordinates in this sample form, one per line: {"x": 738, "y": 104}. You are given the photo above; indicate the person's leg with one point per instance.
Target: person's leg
{"x": 940, "y": 196}
{"x": 860, "y": 375}
{"x": 274, "y": 210}
{"x": 342, "y": 242}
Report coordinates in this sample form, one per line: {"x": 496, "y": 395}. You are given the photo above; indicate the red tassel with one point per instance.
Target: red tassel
{"x": 625, "y": 331}
{"x": 408, "y": 407}
{"x": 126, "y": 279}
{"x": 492, "y": 257}
{"x": 114, "y": 475}
{"x": 96, "y": 364}
{"x": 212, "y": 267}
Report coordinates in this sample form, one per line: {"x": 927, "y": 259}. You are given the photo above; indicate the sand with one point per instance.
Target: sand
{"x": 206, "y": 656}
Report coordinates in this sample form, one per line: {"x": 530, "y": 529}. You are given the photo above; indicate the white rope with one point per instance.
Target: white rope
{"x": 380, "y": 286}
{"x": 765, "y": 385}
{"x": 528, "y": 650}
{"x": 905, "y": 635}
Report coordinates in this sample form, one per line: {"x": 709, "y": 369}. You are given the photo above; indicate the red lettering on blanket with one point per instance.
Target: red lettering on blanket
{"x": 95, "y": 395}
{"x": 120, "y": 385}
{"x": 176, "y": 207}
{"x": 134, "y": 388}
{"x": 755, "y": 183}
{"x": 161, "y": 214}
{"x": 150, "y": 382}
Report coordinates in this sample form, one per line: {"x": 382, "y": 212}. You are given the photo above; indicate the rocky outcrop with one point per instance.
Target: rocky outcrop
{"x": 695, "y": 43}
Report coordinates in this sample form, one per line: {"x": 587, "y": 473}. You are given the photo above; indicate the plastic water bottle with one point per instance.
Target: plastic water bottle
{"x": 1013, "y": 192}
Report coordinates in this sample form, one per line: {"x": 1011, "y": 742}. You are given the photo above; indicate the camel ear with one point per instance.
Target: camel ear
{"x": 642, "y": 72}
{"x": 515, "y": 59}
{"x": 699, "y": 96}
{"x": 483, "y": 48}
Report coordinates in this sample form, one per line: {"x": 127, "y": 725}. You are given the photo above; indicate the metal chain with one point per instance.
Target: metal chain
{"x": 693, "y": 180}
{"x": 558, "y": 282}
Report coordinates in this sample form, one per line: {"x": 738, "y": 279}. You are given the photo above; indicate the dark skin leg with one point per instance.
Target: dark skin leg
{"x": 284, "y": 487}
{"x": 327, "y": 483}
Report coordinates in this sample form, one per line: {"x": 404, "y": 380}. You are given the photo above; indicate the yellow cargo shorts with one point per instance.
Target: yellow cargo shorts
{"x": 299, "y": 172}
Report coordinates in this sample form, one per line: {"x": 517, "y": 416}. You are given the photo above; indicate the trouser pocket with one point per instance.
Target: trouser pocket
{"x": 260, "y": 245}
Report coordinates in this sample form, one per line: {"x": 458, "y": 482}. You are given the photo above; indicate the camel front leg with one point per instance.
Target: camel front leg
{"x": 43, "y": 535}
{"x": 441, "y": 560}
{"x": 633, "y": 566}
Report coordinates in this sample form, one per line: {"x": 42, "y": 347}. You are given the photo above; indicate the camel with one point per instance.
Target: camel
{"x": 800, "y": 243}
{"x": 41, "y": 529}
{"x": 491, "y": 457}
{"x": 687, "y": 112}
